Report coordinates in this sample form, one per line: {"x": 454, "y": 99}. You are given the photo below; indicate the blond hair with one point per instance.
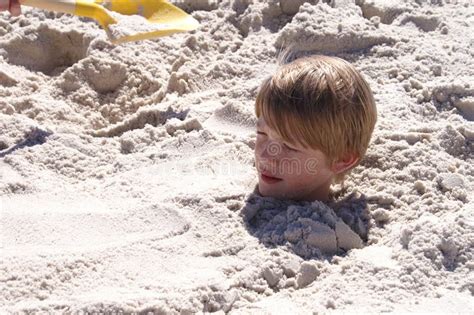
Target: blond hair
{"x": 320, "y": 102}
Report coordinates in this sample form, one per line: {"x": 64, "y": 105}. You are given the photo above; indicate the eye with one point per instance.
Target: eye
{"x": 261, "y": 133}
{"x": 290, "y": 148}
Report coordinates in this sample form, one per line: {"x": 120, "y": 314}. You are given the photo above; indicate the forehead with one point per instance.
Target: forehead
{"x": 262, "y": 124}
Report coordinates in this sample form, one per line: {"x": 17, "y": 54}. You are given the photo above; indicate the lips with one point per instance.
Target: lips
{"x": 269, "y": 179}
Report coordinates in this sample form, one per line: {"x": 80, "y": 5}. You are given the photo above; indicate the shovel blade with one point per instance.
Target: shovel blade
{"x": 155, "y": 11}
{"x": 166, "y": 18}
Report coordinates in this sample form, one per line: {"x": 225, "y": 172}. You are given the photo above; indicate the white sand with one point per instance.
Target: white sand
{"x": 127, "y": 177}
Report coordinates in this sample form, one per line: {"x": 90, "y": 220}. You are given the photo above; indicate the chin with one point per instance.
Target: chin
{"x": 265, "y": 192}
{"x": 268, "y": 192}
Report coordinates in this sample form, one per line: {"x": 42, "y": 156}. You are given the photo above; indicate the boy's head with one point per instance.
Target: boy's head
{"x": 315, "y": 120}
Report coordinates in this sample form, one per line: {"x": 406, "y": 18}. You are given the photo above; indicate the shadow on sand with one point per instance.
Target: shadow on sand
{"x": 308, "y": 229}
{"x": 34, "y": 137}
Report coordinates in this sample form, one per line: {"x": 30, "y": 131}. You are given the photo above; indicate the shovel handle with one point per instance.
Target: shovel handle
{"x": 64, "y": 6}
{"x": 86, "y": 8}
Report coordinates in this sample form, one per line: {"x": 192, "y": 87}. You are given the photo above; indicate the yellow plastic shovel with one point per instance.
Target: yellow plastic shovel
{"x": 165, "y": 17}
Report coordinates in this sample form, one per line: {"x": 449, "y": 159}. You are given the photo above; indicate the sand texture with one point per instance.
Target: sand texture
{"x": 127, "y": 178}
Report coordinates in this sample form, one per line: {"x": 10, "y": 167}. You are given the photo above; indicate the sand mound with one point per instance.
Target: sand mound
{"x": 196, "y": 5}
{"x": 385, "y": 11}
{"x": 127, "y": 177}
{"x": 321, "y": 29}
{"x": 45, "y": 49}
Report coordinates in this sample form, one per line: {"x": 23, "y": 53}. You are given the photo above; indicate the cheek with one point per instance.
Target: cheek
{"x": 301, "y": 170}
{"x": 291, "y": 168}
{"x": 312, "y": 167}
{"x": 262, "y": 149}
{"x": 299, "y": 179}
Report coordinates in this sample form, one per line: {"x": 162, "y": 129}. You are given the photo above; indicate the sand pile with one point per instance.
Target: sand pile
{"x": 127, "y": 177}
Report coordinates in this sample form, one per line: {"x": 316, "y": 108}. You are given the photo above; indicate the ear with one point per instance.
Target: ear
{"x": 345, "y": 163}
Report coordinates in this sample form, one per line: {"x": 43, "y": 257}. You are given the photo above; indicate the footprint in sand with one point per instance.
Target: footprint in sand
{"x": 232, "y": 118}
{"x": 45, "y": 224}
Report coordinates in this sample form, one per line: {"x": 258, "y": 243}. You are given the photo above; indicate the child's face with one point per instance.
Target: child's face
{"x": 289, "y": 171}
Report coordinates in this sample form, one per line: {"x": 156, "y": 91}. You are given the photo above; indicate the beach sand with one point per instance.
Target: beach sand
{"x": 127, "y": 178}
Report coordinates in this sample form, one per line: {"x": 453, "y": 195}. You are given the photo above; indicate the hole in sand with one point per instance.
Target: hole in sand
{"x": 310, "y": 230}
{"x": 46, "y": 50}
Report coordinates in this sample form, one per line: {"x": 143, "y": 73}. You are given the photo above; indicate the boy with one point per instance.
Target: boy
{"x": 315, "y": 119}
